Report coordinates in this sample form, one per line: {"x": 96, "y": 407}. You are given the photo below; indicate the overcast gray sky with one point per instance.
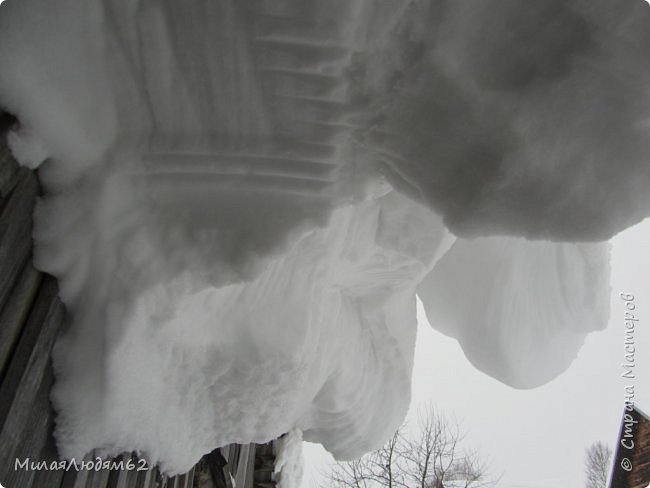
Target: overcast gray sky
{"x": 537, "y": 438}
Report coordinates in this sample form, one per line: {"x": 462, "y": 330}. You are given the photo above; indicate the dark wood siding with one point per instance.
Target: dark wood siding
{"x": 632, "y": 461}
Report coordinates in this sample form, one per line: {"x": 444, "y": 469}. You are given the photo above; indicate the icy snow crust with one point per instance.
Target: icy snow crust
{"x": 241, "y": 200}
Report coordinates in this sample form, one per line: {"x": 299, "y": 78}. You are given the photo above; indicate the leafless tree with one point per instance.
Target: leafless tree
{"x": 429, "y": 459}
{"x": 597, "y": 465}
{"x": 379, "y": 468}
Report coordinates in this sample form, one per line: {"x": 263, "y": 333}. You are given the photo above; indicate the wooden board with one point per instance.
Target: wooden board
{"x": 16, "y": 233}
{"x": 14, "y": 315}
{"x": 9, "y": 170}
{"x": 632, "y": 461}
{"x": 27, "y": 376}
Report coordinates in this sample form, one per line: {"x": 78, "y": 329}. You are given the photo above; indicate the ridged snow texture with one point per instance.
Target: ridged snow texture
{"x": 241, "y": 199}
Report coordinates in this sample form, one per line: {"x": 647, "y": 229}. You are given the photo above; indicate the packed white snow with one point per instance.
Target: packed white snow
{"x": 322, "y": 339}
{"x": 241, "y": 200}
{"x": 289, "y": 460}
{"x": 524, "y": 316}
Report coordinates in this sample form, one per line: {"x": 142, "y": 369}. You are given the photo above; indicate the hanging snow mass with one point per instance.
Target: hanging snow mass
{"x": 242, "y": 199}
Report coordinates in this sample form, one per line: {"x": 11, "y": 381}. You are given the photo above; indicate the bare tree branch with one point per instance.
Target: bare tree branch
{"x": 597, "y": 464}
{"x": 428, "y": 459}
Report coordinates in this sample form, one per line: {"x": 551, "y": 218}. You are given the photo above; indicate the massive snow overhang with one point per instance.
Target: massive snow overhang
{"x": 237, "y": 193}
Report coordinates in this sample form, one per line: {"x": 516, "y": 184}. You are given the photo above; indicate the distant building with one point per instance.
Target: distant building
{"x": 632, "y": 461}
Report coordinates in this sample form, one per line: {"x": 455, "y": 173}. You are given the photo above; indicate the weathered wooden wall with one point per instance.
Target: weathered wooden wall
{"x": 31, "y": 316}
{"x": 632, "y": 459}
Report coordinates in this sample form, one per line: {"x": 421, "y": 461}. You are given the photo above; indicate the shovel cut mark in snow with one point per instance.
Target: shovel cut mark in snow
{"x": 240, "y": 203}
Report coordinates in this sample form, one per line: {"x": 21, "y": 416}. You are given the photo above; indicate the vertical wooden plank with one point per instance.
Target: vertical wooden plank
{"x": 17, "y": 477}
{"x": 98, "y": 479}
{"x": 135, "y": 478}
{"x": 120, "y": 476}
{"x": 161, "y": 480}
{"x": 143, "y": 479}
{"x": 233, "y": 457}
{"x": 156, "y": 479}
{"x": 9, "y": 169}
{"x": 250, "y": 467}
{"x": 52, "y": 478}
{"x": 70, "y": 478}
{"x": 148, "y": 477}
{"x": 225, "y": 451}
{"x": 31, "y": 357}
{"x": 14, "y": 314}
{"x": 81, "y": 479}
{"x": 115, "y": 474}
{"x": 26, "y": 375}
{"x": 131, "y": 479}
{"x": 39, "y": 433}
{"x": 16, "y": 233}
{"x": 240, "y": 470}
{"x": 189, "y": 479}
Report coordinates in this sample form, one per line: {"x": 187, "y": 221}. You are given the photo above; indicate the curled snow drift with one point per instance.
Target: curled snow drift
{"x": 322, "y": 339}
{"x": 241, "y": 200}
{"x": 524, "y": 315}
